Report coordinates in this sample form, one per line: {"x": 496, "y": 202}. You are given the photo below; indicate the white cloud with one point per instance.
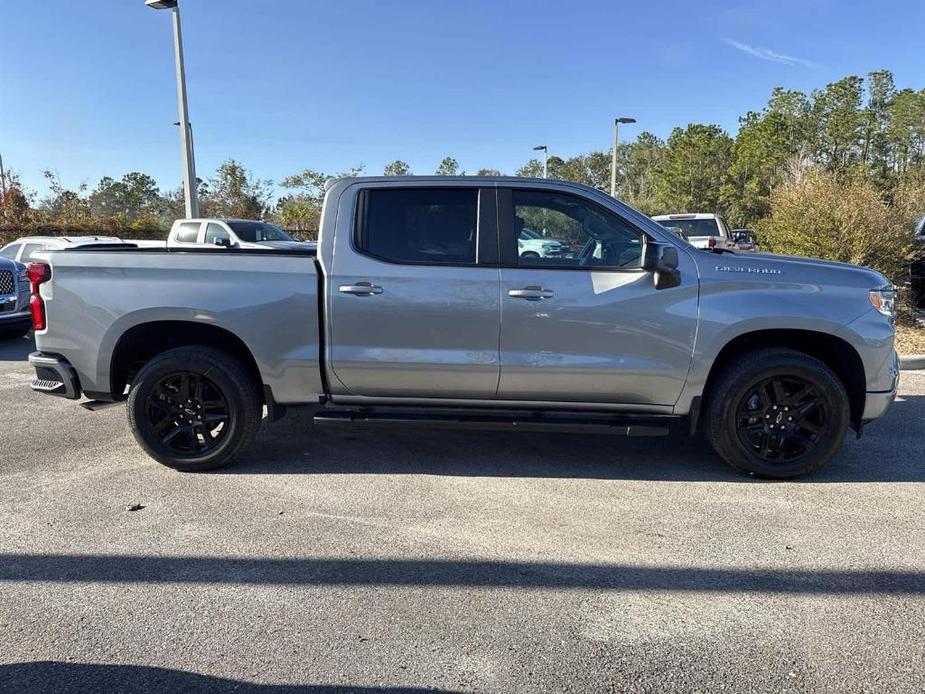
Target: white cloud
{"x": 768, "y": 54}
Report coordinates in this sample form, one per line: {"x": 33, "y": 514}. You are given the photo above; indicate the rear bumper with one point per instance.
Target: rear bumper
{"x": 54, "y": 376}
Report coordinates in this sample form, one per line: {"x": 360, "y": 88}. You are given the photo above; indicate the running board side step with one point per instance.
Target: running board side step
{"x": 619, "y": 426}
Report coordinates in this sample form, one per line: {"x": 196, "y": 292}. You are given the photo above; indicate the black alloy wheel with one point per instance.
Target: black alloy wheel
{"x": 781, "y": 419}
{"x": 194, "y": 408}
{"x": 776, "y": 412}
{"x": 188, "y": 413}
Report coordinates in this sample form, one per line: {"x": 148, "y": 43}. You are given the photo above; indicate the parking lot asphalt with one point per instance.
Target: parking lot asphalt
{"x": 349, "y": 560}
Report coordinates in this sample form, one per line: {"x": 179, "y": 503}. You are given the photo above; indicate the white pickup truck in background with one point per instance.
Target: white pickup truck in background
{"x": 232, "y": 233}
{"x": 701, "y": 230}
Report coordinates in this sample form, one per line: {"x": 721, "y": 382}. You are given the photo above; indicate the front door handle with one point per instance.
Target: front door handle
{"x": 531, "y": 293}
{"x": 360, "y": 289}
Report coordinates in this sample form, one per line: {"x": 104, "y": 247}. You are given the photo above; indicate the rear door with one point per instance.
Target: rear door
{"x": 588, "y": 324}
{"x": 413, "y": 297}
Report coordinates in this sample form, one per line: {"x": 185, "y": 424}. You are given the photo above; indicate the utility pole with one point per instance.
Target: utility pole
{"x": 186, "y": 145}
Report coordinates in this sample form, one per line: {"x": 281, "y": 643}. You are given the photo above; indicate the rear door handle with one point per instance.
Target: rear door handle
{"x": 531, "y": 293}
{"x": 360, "y": 289}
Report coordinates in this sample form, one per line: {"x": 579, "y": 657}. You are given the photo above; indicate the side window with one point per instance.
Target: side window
{"x": 434, "y": 226}
{"x": 215, "y": 231}
{"x": 10, "y": 251}
{"x": 28, "y": 250}
{"x": 557, "y": 230}
{"x": 188, "y": 232}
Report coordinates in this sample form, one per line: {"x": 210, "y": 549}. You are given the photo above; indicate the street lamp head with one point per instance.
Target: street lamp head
{"x": 540, "y": 148}
{"x": 625, "y": 120}
{"x": 161, "y": 4}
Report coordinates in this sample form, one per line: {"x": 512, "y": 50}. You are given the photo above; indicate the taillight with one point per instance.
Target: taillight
{"x": 711, "y": 243}
{"x": 38, "y": 273}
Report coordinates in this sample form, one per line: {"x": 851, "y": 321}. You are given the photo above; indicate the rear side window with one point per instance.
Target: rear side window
{"x": 435, "y": 226}
{"x": 10, "y": 251}
{"x": 28, "y": 250}
{"x": 188, "y": 232}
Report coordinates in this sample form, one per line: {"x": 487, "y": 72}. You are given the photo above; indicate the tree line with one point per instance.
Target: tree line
{"x": 804, "y": 159}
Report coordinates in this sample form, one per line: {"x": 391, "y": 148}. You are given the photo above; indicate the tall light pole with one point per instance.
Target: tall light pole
{"x": 186, "y": 145}
{"x": 545, "y": 150}
{"x": 613, "y": 162}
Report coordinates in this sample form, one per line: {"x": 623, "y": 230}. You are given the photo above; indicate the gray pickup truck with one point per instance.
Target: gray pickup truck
{"x": 420, "y": 309}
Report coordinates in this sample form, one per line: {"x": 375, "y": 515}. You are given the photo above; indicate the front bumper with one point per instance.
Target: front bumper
{"x": 877, "y": 403}
{"x": 54, "y": 376}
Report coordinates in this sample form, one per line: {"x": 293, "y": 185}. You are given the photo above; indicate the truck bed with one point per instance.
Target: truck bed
{"x": 268, "y": 299}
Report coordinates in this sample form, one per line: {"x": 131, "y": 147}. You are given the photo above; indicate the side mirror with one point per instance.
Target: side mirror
{"x": 222, "y": 241}
{"x": 663, "y": 261}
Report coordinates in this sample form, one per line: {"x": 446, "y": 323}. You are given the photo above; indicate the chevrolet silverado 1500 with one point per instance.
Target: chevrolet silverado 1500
{"x": 420, "y": 309}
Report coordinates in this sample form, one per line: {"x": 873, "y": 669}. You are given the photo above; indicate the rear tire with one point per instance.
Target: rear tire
{"x": 777, "y": 413}
{"x": 194, "y": 408}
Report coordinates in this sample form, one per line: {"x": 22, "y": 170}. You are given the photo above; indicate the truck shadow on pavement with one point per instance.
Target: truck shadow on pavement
{"x": 84, "y": 678}
{"x": 890, "y": 451}
{"x": 444, "y": 573}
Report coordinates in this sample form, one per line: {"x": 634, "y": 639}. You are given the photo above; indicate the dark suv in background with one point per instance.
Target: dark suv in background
{"x": 15, "y": 318}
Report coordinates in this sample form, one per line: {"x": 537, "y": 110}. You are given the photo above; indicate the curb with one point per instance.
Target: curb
{"x": 911, "y": 362}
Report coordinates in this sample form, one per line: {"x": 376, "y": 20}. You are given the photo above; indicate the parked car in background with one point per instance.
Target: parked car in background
{"x": 418, "y": 309}
{"x": 533, "y": 245}
{"x": 232, "y": 233}
{"x": 701, "y": 229}
{"x": 21, "y": 250}
{"x": 744, "y": 240}
{"x": 15, "y": 316}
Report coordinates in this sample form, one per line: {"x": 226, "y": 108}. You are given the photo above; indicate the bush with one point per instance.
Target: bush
{"x": 819, "y": 214}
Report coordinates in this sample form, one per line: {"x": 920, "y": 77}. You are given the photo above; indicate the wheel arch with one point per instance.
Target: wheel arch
{"x": 140, "y": 343}
{"x": 836, "y": 353}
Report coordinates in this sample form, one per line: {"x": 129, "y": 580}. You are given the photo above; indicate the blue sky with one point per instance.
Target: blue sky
{"x": 87, "y": 88}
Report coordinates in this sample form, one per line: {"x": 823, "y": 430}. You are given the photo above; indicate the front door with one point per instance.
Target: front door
{"x": 414, "y": 306}
{"x": 580, "y": 320}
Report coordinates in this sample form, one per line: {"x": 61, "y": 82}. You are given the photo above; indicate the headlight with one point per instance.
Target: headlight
{"x": 884, "y": 300}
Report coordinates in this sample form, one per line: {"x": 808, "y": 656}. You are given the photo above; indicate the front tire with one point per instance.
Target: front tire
{"x": 777, "y": 413}
{"x": 194, "y": 408}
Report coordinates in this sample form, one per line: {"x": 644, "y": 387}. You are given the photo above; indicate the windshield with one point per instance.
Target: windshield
{"x": 528, "y": 235}
{"x": 254, "y": 232}
{"x": 692, "y": 227}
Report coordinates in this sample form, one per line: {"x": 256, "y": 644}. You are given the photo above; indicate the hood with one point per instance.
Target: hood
{"x": 796, "y": 268}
